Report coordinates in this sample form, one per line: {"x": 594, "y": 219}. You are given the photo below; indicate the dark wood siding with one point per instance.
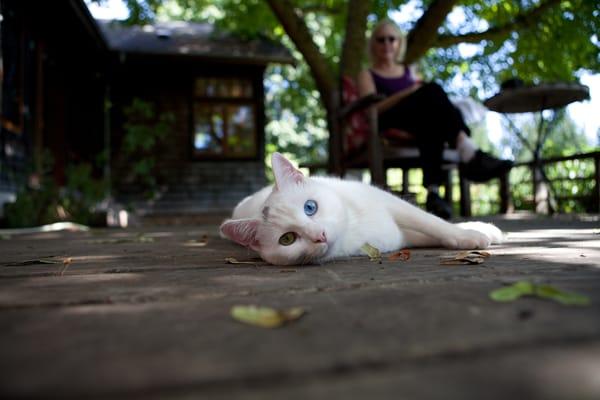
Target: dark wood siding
{"x": 54, "y": 94}
{"x": 168, "y": 83}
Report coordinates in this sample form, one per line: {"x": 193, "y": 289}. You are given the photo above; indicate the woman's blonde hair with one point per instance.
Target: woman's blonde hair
{"x": 401, "y": 37}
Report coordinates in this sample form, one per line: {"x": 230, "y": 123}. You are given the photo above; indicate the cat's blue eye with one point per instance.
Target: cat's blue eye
{"x": 310, "y": 207}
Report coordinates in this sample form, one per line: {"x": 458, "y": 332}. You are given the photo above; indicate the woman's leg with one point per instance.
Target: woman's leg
{"x": 434, "y": 121}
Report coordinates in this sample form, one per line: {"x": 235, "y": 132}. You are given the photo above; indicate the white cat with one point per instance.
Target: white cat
{"x": 303, "y": 220}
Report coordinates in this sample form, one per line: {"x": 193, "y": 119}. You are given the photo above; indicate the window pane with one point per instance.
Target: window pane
{"x": 200, "y": 87}
{"x": 241, "y": 140}
{"x": 224, "y": 129}
{"x": 209, "y": 129}
{"x": 223, "y": 87}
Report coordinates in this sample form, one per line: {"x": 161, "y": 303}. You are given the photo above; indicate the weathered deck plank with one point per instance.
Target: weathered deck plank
{"x": 151, "y": 319}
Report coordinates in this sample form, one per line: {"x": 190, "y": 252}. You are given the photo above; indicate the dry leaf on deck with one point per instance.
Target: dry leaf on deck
{"x": 402, "y": 255}
{"x": 139, "y": 238}
{"x": 265, "y": 317}
{"x": 231, "y": 260}
{"x": 203, "y": 241}
{"x": 66, "y": 263}
{"x": 34, "y": 262}
{"x": 465, "y": 257}
{"x": 373, "y": 252}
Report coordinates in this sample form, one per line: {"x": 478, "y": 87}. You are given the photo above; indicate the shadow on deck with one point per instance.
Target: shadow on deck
{"x": 144, "y": 313}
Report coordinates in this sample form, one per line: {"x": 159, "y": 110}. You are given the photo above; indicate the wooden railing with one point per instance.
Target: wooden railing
{"x": 505, "y": 196}
{"x": 589, "y": 200}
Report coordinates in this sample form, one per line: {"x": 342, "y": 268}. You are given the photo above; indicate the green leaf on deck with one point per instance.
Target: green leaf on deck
{"x": 513, "y": 292}
{"x": 566, "y": 298}
{"x": 525, "y": 288}
{"x": 265, "y": 317}
{"x": 373, "y": 252}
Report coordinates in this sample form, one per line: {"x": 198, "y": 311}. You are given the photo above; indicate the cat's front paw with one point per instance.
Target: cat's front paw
{"x": 493, "y": 233}
{"x": 468, "y": 239}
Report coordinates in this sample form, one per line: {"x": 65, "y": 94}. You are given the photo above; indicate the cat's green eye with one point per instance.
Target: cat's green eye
{"x": 287, "y": 238}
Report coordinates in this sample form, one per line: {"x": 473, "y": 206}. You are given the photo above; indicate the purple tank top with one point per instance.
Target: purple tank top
{"x": 389, "y": 86}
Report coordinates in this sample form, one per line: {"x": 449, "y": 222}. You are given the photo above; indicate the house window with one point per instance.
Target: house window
{"x": 224, "y": 118}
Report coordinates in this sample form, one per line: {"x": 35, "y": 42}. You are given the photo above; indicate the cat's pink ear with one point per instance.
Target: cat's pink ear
{"x": 285, "y": 173}
{"x": 242, "y": 231}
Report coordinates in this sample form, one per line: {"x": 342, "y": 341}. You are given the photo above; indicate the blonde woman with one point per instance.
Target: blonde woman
{"x": 424, "y": 111}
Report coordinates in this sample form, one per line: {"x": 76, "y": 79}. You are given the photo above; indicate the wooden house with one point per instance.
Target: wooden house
{"x": 53, "y": 88}
{"x": 68, "y": 80}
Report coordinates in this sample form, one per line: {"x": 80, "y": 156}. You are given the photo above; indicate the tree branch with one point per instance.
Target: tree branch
{"x": 424, "y": 34}
{"x": 298, "y": 32}
{"x": 521, "y": 22}
{"x": 319, "y": 7}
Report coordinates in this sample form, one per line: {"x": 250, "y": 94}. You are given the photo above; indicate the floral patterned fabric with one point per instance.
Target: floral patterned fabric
{"x": 356, "y": 128}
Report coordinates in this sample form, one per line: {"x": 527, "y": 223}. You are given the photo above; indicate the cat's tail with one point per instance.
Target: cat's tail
{"x": 491, "y": 231}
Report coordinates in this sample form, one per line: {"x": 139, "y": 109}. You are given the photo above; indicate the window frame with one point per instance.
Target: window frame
{"x": 218, "y": 100}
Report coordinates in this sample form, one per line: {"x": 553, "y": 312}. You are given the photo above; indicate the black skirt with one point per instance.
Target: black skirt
{"x": 433, "y": 120}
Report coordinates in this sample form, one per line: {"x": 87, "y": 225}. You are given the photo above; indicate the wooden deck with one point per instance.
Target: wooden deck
{"x": 147, "y": 316}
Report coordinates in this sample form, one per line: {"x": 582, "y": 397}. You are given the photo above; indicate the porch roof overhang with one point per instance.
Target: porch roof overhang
{"x": 187, "y": 39}
{"x": 89, "y": 23}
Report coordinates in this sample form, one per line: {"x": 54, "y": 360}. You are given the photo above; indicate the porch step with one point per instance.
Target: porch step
{"x": 199, "y": 189}
{"x": 197, "y": 218}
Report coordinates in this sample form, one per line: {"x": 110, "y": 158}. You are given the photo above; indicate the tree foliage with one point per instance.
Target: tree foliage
{"x": 535, "y": 40}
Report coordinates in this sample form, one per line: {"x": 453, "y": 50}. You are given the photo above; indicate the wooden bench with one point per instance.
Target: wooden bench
{"x": 362, "y": 146}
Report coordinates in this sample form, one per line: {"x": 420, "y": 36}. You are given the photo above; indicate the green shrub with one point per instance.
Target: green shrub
{"x": 145, "y": 131}
{"x": 44, "y": 202}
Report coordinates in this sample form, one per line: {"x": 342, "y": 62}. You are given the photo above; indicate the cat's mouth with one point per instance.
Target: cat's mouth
{"x": 315, "y": 255}
{"x": 321, "y": 251}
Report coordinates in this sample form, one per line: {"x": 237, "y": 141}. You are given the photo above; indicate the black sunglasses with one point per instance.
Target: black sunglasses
{"x": 383, "y": 39}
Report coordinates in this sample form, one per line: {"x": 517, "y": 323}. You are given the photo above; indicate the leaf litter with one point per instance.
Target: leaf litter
{"x": 549, "y": 292}
{"x": 373, "y": 252}
{"x": 66, "y": 263}
{"x": 402, "y": 255}
{"x": 469, "y": 257}
{"x": 139, "y": 238}
{"x": 233, "y": 260}
{"x": 37, "y": 261}
{"x": 202, "y": 242}
{"x": 265, "y": 317}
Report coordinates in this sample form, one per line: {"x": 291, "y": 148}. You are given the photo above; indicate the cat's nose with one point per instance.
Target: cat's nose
{"x": 320, "y": 238}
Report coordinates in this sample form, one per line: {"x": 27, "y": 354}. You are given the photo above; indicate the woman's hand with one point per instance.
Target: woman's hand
{"x": 392, "y": 100}
{"x": 366, "y": 86}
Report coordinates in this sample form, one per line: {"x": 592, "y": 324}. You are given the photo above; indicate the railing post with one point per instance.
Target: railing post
{"x": 405, "y": 182}
{"x": 335, "y": 166}
{"x": 504, "y": 193}
{"x": 375, "y": 151}
{"x": 465, "y": 196}
{"x": 596, "y": 194}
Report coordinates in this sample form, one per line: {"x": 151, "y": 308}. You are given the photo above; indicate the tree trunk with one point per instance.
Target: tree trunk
{"x": 353, "y": 50}
{"x": 325, "y": 78}
{"x": 355, "y": 40}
